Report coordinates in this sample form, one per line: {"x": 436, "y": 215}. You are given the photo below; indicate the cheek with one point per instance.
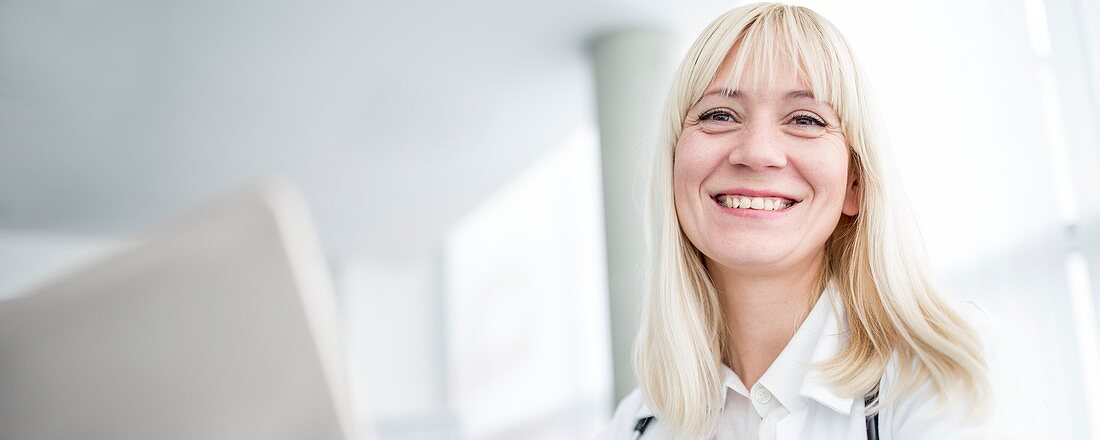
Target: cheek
{"x": 827, "y": 174}
{"x": 692, "y": 164}
{"x": 682, "y": 180}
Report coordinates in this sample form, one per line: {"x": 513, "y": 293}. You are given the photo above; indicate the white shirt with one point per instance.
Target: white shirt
{"x": 790, "y": 401}
{"x": 751, "y": 414}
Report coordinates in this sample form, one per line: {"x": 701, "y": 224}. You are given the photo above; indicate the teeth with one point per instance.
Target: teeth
{"x": 759, "y": 203}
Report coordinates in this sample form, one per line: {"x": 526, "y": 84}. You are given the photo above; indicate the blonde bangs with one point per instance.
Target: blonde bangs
{"x": 778, "y": 41}
{"x": 775, "y": 38}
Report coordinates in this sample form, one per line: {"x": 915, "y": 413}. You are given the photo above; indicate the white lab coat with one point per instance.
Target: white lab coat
{"x": 1019, "y": 411}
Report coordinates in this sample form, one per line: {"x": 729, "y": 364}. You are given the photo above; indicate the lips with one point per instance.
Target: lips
{"x": 754, "y": 193}
{"x": 754, "y": 203}
{"x": 720, "y": 197}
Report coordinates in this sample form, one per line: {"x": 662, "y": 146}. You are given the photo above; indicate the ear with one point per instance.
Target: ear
{"x": 853, "y": 193}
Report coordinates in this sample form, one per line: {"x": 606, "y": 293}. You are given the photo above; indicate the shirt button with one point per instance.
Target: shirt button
{"x": 762, "y": 396}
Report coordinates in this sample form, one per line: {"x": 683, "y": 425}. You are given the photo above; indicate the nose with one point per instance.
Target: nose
{"x": 759, "y": 147}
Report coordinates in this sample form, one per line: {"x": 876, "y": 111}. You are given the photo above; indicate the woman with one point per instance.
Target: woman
{"x": 784, "y": 298}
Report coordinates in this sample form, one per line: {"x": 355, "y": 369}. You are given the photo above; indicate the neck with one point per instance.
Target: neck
{"x": 762, "y": 312}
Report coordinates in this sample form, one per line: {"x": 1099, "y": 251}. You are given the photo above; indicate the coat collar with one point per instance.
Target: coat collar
{"x": 644, "y": 410}
{"x": 785, "y": 376}
{"x": 833, "y": 338}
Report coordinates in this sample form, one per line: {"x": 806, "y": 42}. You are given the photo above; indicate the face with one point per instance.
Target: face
{"x": 776, "y": 150}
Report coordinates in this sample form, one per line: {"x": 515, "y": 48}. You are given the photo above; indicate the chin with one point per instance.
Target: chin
{"x": 746, "y": 256}
{"x": 757, "y": 264}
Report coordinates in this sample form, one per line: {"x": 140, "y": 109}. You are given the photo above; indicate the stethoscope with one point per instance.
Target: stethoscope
{"x": 640, "y": 427}
{"x": 872, "y": 422}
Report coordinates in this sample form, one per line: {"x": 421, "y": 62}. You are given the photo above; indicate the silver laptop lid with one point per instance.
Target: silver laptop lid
{"x": 219, "y": 324}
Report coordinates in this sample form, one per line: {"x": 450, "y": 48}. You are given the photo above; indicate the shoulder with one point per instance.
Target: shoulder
{"x": 988, "y": 327}
{"x": 1017, "y": 409}
{"x": 627, "y": 412}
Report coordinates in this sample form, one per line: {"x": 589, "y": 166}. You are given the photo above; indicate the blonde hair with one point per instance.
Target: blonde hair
{"x": 874, "y": 258}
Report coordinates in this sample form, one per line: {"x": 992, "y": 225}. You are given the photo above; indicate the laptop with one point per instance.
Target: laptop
{"x": 218, "y": 324}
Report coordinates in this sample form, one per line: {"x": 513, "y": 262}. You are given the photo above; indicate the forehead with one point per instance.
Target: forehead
{"x": 772, "y": 75}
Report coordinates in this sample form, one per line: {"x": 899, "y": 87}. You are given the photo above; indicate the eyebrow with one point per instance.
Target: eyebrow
{"x": 793, "y": 94}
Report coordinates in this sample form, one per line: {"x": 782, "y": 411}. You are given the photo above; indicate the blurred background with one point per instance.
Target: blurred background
{"x": 474, "y": 172}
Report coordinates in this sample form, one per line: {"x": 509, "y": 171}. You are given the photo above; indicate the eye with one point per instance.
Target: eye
{"x": 718, "y": 115}
{"x": 808, "y": 120}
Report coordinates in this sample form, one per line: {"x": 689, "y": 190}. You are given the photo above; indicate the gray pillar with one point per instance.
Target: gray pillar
{"x": 633, "y": 69}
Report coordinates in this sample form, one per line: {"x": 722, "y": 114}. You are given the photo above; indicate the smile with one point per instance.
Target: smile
{"x": 740, "y": 202}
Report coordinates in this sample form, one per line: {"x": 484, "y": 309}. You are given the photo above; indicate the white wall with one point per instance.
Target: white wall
{"x": 393, "y": 321}
{"x": 528, "y": 338}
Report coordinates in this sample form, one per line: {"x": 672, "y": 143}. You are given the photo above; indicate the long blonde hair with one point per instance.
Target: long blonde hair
{"x": 874, "y": 258}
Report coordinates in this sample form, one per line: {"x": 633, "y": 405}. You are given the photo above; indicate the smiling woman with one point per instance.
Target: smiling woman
{"x": 786, "y": 296}
{"x": 790, "y": 166}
